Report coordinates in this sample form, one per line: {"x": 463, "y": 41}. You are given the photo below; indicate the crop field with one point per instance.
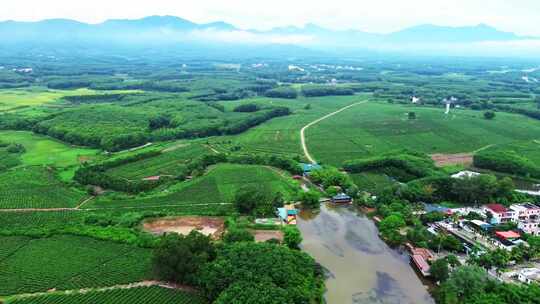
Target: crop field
{"x": 215, "y": 188}
{"x": 25, "y": 222}
{"x": 43, "y": 150}
{"x": 171, "y": 162}
{"x": 140, "y": 295}
{"x": 371, "y": 182}
{"x": 68, "y": 262}
{"x": 373, "y": 128}
{"x": 36, "y": 187}
{"x": 282, "y": 135}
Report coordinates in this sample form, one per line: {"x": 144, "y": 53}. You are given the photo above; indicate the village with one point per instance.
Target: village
{"x": 479, "y": 230}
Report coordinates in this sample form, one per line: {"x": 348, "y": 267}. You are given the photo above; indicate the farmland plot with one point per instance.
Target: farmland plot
{"x": 69, "y": 262}
{"x": 142, "y": 295}
{"x": 36, "y": 187}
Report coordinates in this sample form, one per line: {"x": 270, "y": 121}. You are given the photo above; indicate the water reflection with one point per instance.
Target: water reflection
{"x": 362, "y": 268}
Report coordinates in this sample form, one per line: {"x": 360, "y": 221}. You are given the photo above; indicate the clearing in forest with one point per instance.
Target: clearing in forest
{"x": 209, "y": 226}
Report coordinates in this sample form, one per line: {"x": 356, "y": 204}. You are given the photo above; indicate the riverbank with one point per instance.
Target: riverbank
{"x": 361, "y": 267}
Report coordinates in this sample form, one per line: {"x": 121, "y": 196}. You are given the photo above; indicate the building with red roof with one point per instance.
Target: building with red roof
{"x": 507, "y": 235}
{"x": 500, "y": 214}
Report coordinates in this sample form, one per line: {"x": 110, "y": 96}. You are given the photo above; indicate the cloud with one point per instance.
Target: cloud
{"x": 241, "y": 36}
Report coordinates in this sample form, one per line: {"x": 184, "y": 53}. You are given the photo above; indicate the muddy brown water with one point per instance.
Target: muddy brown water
{"x": 361, "y": 267}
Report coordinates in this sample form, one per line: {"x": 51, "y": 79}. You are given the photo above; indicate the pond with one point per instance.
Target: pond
{"x": 361, "y": 267}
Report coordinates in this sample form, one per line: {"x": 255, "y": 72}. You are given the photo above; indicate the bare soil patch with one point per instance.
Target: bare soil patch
{"x": 265, "y": 235}
{"x": 212, "y": 226}
{"x": 442, "y": 160}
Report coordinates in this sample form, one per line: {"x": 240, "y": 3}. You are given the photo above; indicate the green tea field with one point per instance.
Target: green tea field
{"x": 140, "y": 295}
{"x": 373, "y": 128}
{"x": 68, "y": 262}
{"x": 36, "y": 187}
{"x": 215, "y": 190}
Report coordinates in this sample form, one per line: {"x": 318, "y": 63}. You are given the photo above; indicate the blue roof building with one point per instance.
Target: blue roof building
{"x": 307, "y": 168}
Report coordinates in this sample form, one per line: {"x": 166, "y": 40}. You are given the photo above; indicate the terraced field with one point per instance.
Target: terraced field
{"x": 36, "y": 187}
{"x": 142, "y": 295}
{"x": 214, "y": 189}
{"x": 68, "y": 262}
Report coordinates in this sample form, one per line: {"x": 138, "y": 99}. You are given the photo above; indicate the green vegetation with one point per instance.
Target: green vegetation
{"x": 232, "y": 277}
{"x": 71, "y": 263}
{"x": 140, "y": 295}
{"x": 36, "y": 187}
{"x": 216, "y": 189}
{"x": 518, "y": 158}
{"x": 372, "y": 129}
{"x": 42, "y": 150}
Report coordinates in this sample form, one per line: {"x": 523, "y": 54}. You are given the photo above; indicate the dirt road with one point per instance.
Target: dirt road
{"x": 303, "y": 130}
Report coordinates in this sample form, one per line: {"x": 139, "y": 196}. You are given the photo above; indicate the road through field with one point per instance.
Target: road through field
{"x": 303, "y": 130}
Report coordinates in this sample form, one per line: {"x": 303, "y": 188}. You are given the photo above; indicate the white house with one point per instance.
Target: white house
{"x": 529, "y": 275}
{"x": 465, "y": 174}
{"x": 500, "y": 214}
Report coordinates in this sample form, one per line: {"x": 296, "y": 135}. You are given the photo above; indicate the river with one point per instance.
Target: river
{"x": 362, "y": 268}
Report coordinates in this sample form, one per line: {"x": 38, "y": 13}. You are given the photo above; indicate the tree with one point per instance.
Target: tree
{"x": 412, "y": 115}
{"x": 463, "y": 283}
{"x": 439, "y": 270}
{"x": 179, "y": 258}
{"x": 292, "y": 237}
{"x": 244, "y": 292}
{"x": 489, "y": 115}
{"x": 310, "y": 199}
{"x": 238, "y": 235}
{"x": 247, "y": 264}
{"x": 254, "y": 200}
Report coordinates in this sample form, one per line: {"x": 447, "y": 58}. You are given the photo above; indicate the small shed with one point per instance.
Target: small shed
{"x": 308, "y": 168}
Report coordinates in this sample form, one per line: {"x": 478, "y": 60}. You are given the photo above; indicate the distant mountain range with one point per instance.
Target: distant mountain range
{"x": 171, "y": 31}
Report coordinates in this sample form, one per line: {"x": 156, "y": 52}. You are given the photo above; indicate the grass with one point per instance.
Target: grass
{"x": 68, "y": 262}
{"x": 43, "y": 150}
{"x": 141, "y": 295}
{"x": 214, "y": 189}
{"x": 36, "y": 187}
{"x": 34, "y": 96}
{"x": 13, "y": 99}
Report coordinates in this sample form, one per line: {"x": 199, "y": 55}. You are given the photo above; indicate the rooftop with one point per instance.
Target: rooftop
{"x": 497, "y": 208}
{"x": 507, "y": 234}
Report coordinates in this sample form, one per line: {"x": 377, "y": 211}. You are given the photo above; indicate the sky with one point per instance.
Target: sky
{"x": 380, "y": 16}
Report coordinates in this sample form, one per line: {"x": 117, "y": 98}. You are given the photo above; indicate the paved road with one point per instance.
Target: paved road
{"x": 303, "y": 130}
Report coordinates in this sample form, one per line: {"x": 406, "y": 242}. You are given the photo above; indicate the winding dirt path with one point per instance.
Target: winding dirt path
{"x": 303, "y": 130}
{"x": 108, "y": 288}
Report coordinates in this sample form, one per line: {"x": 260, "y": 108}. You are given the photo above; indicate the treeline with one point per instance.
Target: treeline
{"x": 404, "y": 167}
{"x": 472, "y": 191}
{"x": 98, "y": 98}
{"x": 507, "y": 162}
{"x": 326, "y": 90}
{"x": 96, "y": 175}
{"x": 535, "y": 114}
{"x": 282, "y": 92}
{"x": 159, "y": 86}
